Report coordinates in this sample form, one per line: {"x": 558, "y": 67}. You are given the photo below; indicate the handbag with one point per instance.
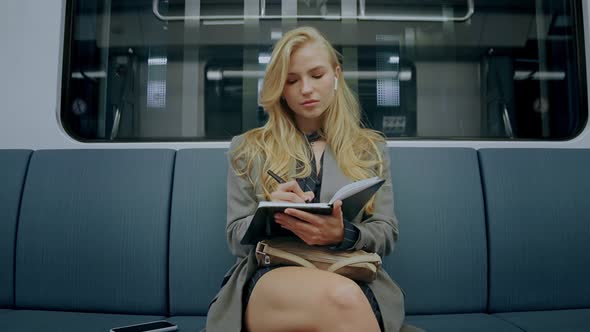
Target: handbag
{"x": 357, "y": 265}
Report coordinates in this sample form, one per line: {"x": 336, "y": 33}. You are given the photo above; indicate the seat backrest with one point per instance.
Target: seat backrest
{"x": 13, "y": 168}
{"x": 199, "y": 255}
{"x": 440, "y": 257}
{"x": 539, "y": 228}
{"x": 93, "y": 231}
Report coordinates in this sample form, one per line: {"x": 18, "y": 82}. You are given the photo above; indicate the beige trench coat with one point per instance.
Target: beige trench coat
{"x": 378, "y": 233}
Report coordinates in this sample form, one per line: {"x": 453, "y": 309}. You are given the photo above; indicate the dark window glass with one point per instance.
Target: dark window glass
{"x": 190, "y": 70}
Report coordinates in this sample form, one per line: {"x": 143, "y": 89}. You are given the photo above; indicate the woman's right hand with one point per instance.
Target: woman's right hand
{"x": 291, "y": 192}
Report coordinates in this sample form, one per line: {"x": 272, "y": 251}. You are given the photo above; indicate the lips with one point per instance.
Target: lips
{"x": 310, "y": 102}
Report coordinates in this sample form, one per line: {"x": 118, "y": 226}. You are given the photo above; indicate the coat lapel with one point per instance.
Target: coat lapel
{"x": 332, "y": 177}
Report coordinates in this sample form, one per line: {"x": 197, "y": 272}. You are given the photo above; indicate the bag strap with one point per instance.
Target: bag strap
{"x": 287, "y": 255}
{"x": 368, "y": 258}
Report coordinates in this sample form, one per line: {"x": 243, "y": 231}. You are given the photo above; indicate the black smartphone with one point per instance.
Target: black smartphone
{"x": 157, "y": 326}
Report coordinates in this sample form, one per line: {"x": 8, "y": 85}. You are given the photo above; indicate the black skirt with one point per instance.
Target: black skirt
{"x": 249, "y": 287}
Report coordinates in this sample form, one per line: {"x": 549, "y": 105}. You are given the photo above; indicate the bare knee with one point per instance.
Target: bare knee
{"x": 345, "y": 295}
{"x": 348, "y": 308}
{"x": 280, "y": 303}
{"x": 300, "y": 299}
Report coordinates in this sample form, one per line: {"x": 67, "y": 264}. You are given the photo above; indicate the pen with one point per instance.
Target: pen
{"x": 275, "y": 176}
{"x": 278, "y": 178}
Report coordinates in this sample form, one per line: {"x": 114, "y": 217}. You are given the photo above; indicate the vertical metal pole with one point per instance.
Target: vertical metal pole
{"x": 193, "y": 110}
{"x": 362, "y": 8}
{"x": 288, "y": 8}
{"x": 104, "y": 36}
{"x": 250, "y": 57}
{"x": 349, "y": 29}
{"x": 262, "y": 7}
{"x": 542, "y": 31}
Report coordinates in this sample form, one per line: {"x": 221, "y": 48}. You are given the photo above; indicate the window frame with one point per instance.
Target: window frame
{"x": 63, "y": 115}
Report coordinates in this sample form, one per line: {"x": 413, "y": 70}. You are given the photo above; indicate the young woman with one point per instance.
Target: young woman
{"x": 314, "y": 138}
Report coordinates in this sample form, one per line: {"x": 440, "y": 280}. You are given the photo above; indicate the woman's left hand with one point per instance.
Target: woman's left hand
{"x": 314, "y": 229}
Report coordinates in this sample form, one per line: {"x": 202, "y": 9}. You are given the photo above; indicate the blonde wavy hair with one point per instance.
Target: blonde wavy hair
{"x": 279, "y": 145}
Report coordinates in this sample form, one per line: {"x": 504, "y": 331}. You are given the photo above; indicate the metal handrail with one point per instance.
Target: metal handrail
{"x": 116, "y": 123}
{"x": 404, "y": 74}
{"x": 361, "y": 17}
{"x": 507, "y": 124}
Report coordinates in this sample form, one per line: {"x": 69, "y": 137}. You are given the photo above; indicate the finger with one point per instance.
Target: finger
{"x": 305, "y": 216}
{"x": 282, "y": 196}
{"x": 295, "y": 224}
{"x": 337, "y": 209}
{"x": 287, "y": 220}
{"x": 292, "y": 186}
{"x": 302, "y": 234}
{"x": 282, "y": 220}
{"x": 310, "y": 195}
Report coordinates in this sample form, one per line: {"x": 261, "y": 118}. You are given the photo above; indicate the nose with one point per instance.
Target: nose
{"x": 306, "y": 87}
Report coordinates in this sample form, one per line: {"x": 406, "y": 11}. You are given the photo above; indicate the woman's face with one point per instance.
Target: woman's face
{"x": 309, "y": 88}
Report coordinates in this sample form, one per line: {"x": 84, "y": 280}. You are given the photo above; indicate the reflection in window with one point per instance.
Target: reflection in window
{"x": 156, "y": 85}
{"x": 192, "y": 70}
{"x": 388, "y": 88}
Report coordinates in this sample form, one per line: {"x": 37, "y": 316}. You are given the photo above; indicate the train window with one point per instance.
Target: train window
{"x": 191, "y": 70}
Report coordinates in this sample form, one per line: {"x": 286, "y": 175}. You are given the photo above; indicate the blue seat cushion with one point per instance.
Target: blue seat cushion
{"x": 537, "y": 206}
{"x": 199, "y": 256}
{"x": 189, "y": 323}
{"x": 42, "y": 321}
{"x": 574, "y": 320}
{"x": 13, "y": 167}
{"x": 461, "y": 323}
{"x": 440, "y": 257}
{"x": 93, "y": 231}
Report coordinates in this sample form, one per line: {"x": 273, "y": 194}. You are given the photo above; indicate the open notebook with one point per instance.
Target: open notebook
{"x": 354, "y": 197}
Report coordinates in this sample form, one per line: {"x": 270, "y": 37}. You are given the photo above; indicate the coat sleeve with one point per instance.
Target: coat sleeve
{"x": 241, "y": 206}
{"x": 378, "y": 232}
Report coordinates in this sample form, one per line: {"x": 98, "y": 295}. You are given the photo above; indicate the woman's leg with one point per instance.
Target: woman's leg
{"x": 303, "y": 299}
